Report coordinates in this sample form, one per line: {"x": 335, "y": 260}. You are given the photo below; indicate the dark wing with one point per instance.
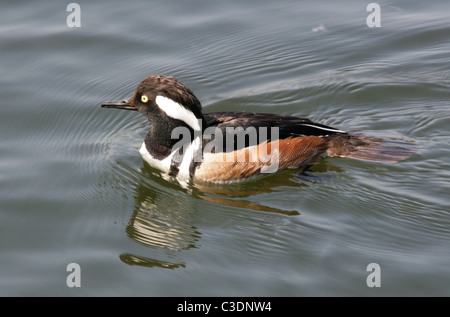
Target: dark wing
{"x": 239, "y": 128}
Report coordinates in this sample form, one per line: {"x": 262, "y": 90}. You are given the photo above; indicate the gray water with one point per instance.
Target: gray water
{"x": 74, "y": 189}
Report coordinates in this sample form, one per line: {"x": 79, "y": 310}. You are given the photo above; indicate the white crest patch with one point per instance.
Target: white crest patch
{"x": 176, "y": 111}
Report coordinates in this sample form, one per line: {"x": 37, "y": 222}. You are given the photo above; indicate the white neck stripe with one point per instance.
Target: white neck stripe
{"x": 176, "y": 111}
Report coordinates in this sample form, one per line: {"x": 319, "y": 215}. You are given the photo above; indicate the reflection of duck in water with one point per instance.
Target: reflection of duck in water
{"x": 164, "y": 218}
{"x": 161, "y": 222}
{"x": 166, "y": 224}
{"x": 213, "y": 149}
{"x": 234, "y": 195}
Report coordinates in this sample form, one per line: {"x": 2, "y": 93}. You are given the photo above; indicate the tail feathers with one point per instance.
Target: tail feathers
{"x": 369, "y": 148}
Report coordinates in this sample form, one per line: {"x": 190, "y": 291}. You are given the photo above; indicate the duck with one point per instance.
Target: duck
{"x": 229, "y": 146}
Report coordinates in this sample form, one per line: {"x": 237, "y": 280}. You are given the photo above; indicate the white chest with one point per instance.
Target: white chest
{"x": 165, "y": 164}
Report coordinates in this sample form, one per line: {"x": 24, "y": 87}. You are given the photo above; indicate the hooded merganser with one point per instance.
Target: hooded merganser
{"x": 219, "y": 147}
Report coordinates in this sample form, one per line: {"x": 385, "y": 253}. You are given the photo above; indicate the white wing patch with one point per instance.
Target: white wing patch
{"x": 322, "y": 128}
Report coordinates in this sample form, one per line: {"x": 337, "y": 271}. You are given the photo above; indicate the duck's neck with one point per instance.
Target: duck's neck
{"x": 168, "y": 135}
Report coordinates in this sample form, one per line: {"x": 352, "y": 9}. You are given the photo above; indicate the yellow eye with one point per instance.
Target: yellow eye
{"x": 144, "y": 98}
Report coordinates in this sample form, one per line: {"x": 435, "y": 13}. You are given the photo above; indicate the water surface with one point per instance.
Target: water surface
{"x": 73, "y": 188}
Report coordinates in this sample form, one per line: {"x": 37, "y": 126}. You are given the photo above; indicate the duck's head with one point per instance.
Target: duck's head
{"x": 163, "y": 99}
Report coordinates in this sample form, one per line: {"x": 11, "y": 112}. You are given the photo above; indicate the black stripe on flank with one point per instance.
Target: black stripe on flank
{"x": 176, "y": 162}
{"x": 192, "y": 168}
{"x": 174, "y": 168}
